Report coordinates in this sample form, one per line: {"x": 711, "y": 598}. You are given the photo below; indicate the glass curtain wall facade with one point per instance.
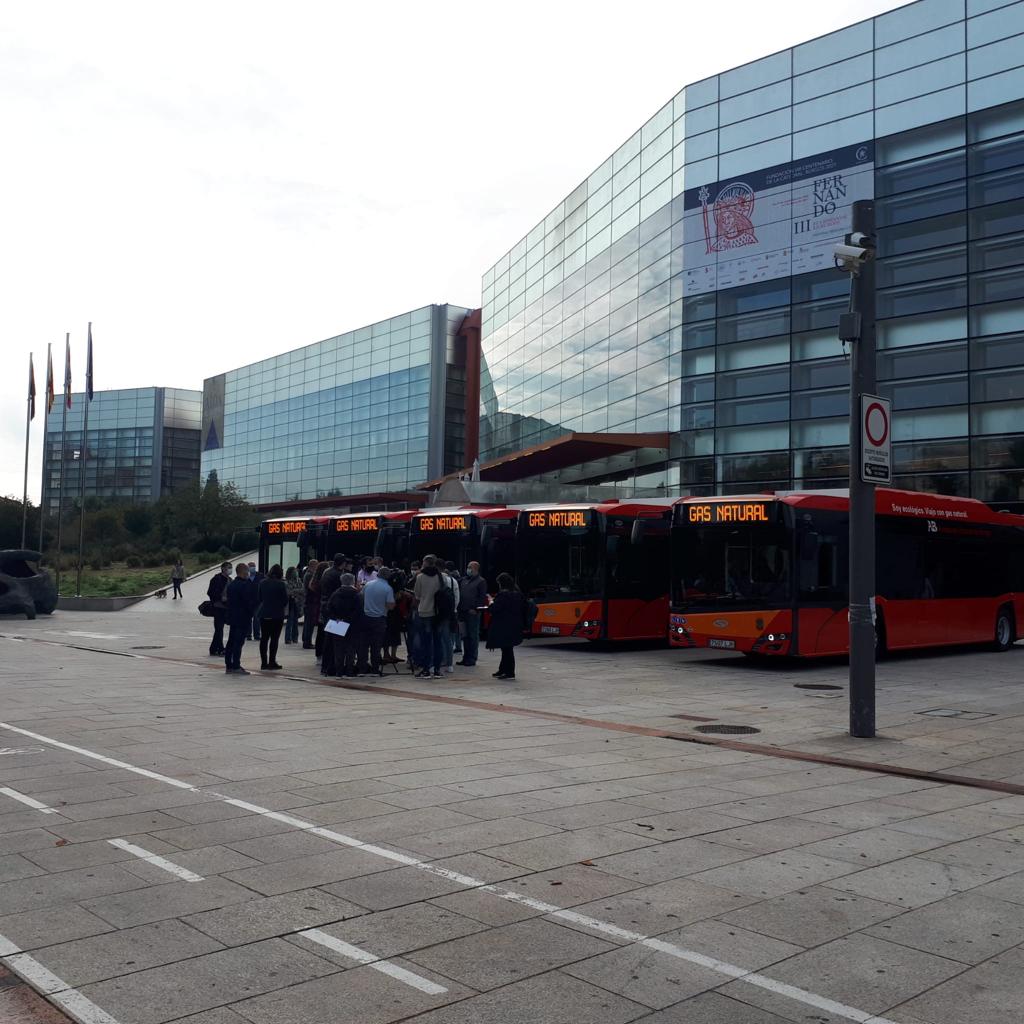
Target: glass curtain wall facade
{"x": 370, "y": 411}
{"x": 142, "y": 443}
{"x": 634, "y": 305}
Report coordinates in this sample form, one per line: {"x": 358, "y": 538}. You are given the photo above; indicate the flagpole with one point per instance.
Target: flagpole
{"x": 84, "y": 459}
{"x": 28, "y": 431}
{"x": 46, "y": 417}
{"x": 63, "y": 457}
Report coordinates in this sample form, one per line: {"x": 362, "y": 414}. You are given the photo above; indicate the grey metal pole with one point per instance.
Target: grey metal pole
{"x": 28, "y": 433}
{"x": 63, "y": 466}
{"x": 46, "y": 417}
{"x": 862, "y": 495}
{"x": 83, "y": 461}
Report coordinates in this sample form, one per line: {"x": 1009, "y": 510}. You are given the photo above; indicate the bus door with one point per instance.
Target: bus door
{"x": 822, "y": 625}
{"x": 496, "y": 550}
{"x": 636, "y": 576}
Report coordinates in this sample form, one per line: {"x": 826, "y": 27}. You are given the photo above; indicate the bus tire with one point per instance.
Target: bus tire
{"x": 1005, "y": 632}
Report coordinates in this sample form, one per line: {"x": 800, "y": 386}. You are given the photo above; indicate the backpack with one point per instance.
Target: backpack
{"x": 444, "y": 601}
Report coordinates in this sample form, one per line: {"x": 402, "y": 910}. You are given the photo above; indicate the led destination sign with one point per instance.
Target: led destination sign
{"x": 431, "y": 524}
{"x": 557, "y": 517}
{"x": 364, "y": 524}
{"x": 288, "y": 526}
{"x": 728, "y": 512}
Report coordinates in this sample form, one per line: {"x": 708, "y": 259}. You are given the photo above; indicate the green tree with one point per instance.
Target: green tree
{"x": 138, "y": 520}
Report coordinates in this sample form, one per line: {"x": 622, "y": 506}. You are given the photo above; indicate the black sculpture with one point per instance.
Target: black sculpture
{"x": 24, "y": 590}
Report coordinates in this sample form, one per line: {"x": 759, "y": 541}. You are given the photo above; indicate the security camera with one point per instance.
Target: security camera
{"x": 852, "y": 253}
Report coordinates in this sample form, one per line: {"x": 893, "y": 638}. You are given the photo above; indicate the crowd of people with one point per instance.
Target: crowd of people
{"x": 358, "y": 614}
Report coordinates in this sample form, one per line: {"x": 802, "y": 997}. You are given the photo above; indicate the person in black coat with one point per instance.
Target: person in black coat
{"x": 273, "y": 608}
{"x": 344, "y": 606}
{"x": 242, "y": 601}
{"x": 217, "y": 592}
{"x": 508, "y": 621}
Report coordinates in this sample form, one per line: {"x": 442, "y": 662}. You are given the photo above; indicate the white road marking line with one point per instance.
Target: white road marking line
{"x": 101, "y": 757}
{"x": 70, "y": 1000}
{"x": 156, "y": 860}
{"x": 28, "y": 801}
{"x": 364, "y": 957}
{"x": 604, "y": 927}
{"x": 21, "y": 750}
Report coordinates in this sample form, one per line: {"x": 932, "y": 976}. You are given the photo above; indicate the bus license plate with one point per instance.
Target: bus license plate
{"x": 550, "y": 629}
{"x": 724, "y": 644}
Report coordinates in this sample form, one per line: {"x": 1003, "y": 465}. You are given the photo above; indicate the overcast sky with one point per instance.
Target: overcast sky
{"x": 213, "y": 183}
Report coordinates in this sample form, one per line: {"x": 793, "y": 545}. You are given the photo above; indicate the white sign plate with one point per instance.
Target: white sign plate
{"x": 875, "y": 439}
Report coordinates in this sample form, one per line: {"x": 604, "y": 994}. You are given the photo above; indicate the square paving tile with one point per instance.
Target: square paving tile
{"x": 50, "y": 890}
{"x": 217, "y": 979}
{"x": 306, "y": 872}
{"x": 553, "y": 998}
{"x": 658, "y": 979}
{"x": 655, "y": 909}
{"x": 83, "y": 961}
{"x": 263, "y": 918}
{"x": 992, "y": 858}
{"x": 990, "y": 992}
{"x": 570, "y": 885}
{"x": 44, "y": 927}
{"x": 481, "y": 835}
{"x": 967, "y": 927}
{"x": 857, "y": 970}
{"x": 568, "y": 847}
{"x": 158, "y": 902}
{"x": 358, "y": 996}
{"x": 810, "y": 917}
{"x": 772, "y": 836}
{"x": 393, "y": 932}
{"x": 503, "y": 955}
{"x": 911, "y": 882}
{"x": 715, "y": 1008}
{"x": 775, "y": 873}
{"x": 872, "y": 846}
{"x": 670, "y": 860}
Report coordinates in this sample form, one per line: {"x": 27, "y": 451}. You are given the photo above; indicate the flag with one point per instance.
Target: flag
{"x": 88, "y": 368}
{"x": 49, "y": 379}
{"x": 31, "y": 389}
{"x": 67, "y": 371}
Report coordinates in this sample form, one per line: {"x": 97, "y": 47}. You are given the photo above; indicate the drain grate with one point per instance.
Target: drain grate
{"x": 149, "y": 647}
{"x": 727, "y": 730}
{"x": 816, "y": 686}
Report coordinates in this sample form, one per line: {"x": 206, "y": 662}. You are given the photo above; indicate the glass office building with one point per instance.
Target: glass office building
{"x": 142, "y": 443}
{"x": 687, "y": 285}
{"x": 373, "y": 411}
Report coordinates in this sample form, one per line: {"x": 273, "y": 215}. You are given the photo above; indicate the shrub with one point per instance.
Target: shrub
{"x": 223, "y": 552}
{"x": 133, "y": 562}
{"x": 153, "y": 561}
{"x": 96, "y": 562}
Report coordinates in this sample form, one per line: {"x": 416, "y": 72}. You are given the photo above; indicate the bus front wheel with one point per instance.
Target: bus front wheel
{"x": 1004, "y": 632}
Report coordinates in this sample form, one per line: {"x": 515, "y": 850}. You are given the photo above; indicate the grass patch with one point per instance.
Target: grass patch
{"x": 120, "y": 580}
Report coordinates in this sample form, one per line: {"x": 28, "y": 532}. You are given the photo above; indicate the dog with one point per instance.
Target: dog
{"x": 161, "y": 593}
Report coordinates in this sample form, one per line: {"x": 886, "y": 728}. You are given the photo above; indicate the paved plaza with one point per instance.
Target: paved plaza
{"x": 177, "y": 844}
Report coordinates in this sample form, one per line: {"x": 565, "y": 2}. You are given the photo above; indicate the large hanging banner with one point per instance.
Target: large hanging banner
{"x": 776, "y": 222}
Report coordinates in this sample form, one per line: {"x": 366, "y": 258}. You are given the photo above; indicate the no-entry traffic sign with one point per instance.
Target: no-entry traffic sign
{"x": 875, "y": 440}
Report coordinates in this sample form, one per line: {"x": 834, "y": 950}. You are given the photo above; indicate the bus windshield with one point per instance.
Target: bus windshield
{"x": 731, "y": 566}
{"x": 560, "y": 563}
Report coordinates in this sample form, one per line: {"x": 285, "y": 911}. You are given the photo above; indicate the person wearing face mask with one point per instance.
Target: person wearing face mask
{"x": 472, "y": 597}
{"x": 217, "y": 592}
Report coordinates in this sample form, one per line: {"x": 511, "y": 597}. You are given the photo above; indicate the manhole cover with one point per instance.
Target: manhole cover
{"x": 150, "y": 647}
{"x": 816, "y": 686}
{"x": 726, "y": 730}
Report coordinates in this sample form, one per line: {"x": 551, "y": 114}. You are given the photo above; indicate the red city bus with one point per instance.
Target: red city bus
{"x": 596, "y": 570}
{"x": 293, "y": 541}
{"x": 768, "y": 573}
{"x": 464, "y": 535}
